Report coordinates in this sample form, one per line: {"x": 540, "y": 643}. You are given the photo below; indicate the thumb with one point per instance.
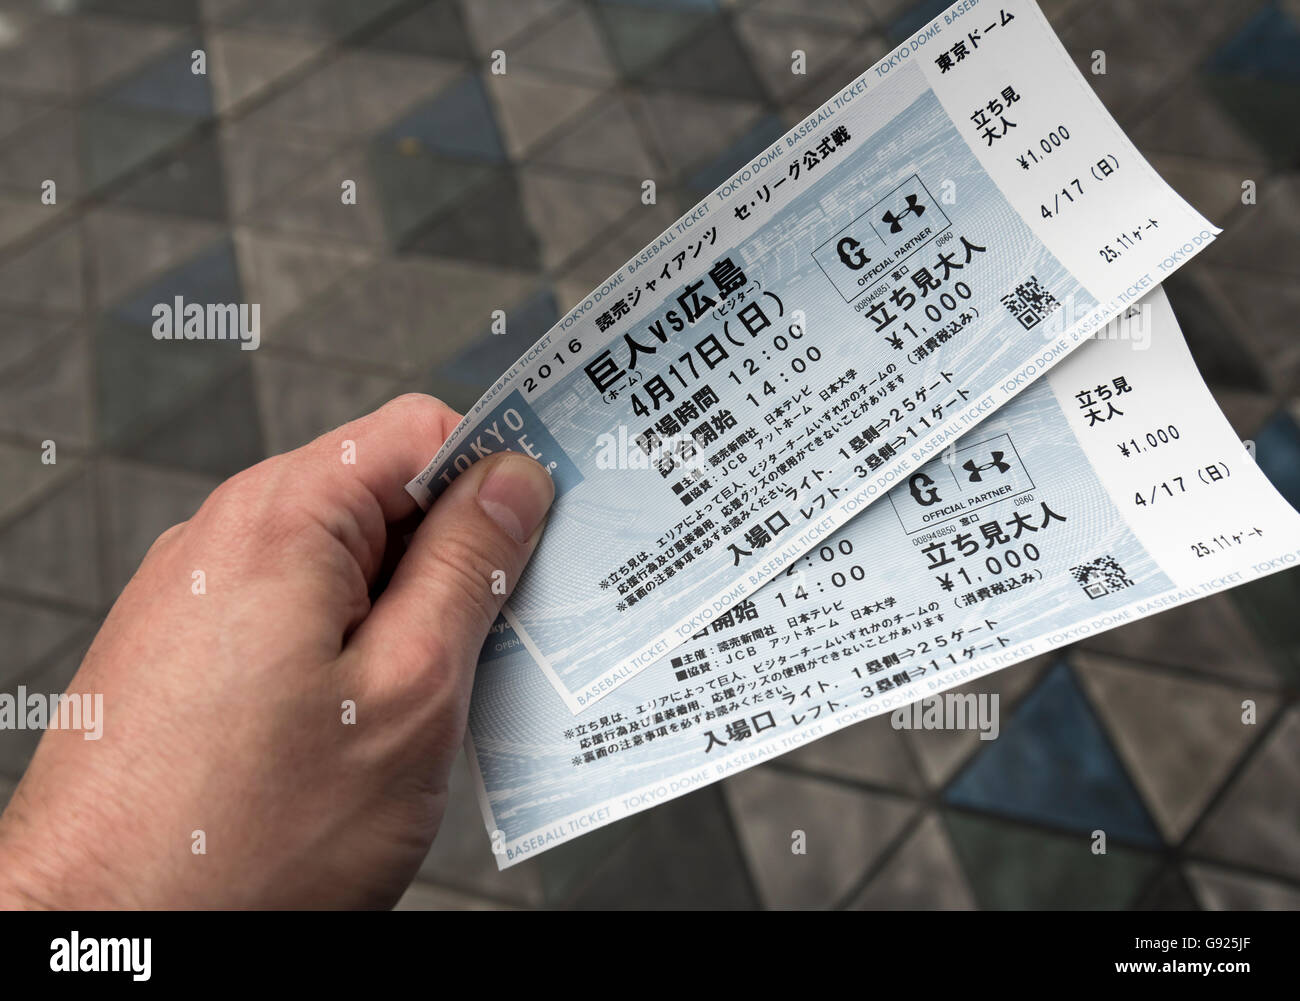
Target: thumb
{"x": 466, "y": 557}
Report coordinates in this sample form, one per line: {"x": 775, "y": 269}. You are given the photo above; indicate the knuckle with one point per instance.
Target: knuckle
{"x": 165, "y": 538}
{"x": 425, "y": 412}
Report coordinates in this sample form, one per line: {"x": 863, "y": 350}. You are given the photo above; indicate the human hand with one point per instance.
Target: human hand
{"x": 224, "y": 711}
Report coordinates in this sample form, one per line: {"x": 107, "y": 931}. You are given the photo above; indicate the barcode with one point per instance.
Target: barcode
{"x": 1029, "y": 303}
{"x": 1101, "y": 577}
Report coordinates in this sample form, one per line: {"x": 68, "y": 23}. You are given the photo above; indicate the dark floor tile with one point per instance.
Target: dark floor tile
{"x": 682, "y": 854}
{"x": 191, "y": 183}
{"x": 489, "y": 224}
{"x": 1254, "y": 824}
{"x": 169, "y": 83}
{"x": 436, "y": 29}
{"x": 1052, "y": 764}
{"x": 1019, "y": 868}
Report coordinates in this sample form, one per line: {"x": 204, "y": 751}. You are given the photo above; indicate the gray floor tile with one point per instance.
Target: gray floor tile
{"x": 1220, "y": 889}
{"x": 807, "y": 840}
{"x": 1254, "y": 823}
{"x": 923, "y": 874}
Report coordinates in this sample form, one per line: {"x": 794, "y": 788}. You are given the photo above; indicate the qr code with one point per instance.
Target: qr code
{"x": 1101, "y": 577}
{"x": 1030, "y": 303}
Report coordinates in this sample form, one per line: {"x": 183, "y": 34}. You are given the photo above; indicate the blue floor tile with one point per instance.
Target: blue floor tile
{"x": 1053, "y": 765}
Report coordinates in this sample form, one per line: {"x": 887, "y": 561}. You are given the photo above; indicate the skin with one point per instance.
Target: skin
{"x": 223, "y": 712}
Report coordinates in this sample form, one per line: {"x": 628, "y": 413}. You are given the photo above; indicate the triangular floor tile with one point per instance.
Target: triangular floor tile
{"x": 47, "y": 148}
{"x": 457, "y": 122}
{"x": 641, "y": 36}
{"x": 382, "y": 315}
{"x": 1208, "y": 636}
{"x": 846, "y": 14}
{"x": 24, "y": 477}
{"x": 157, "y": 243}
{"x": 143, "y": 382}
{"x": 176, "y": 11}
{"x": 210, "y": 276}
{"x": 108, "y": 48}
{"x": 570, "y": 46}
{"x": 47, "y": 274}
{"x": 414, "y": 187}
{"x": 215, "y": 431}
{"x": 1226, "y": 890}
{"x": 605, "y": 139}
{"x": 243, "y": 63}
{"x": 313, "y": 206}
{"x": 259, "y": 166}
{"x": 488, "y": 354}
{"x": 32, "y": 633}
{"x": 488, "y": 225}
{"x": 20, "y": 217}
{"x": 53, "y": 550}
{"x": 530, "y": 107}
{"x": 38, "y": 56}
{"x": 299, "y": 401}
{"x": 169, "y": 83}
{"x": 1277, "y": 453}
{"x": 1254, "y": 824}
{"x": 682, "y": 851}
{"x": 187, "y": 184}
{"x": 285, "y": 275}
{"x": 843, "y": 832}
{"x": 692, "y": 129}
{"x": 1203, "y": 316}
{"x": 1264, "y": 306}
{"x": 941, "y": 752}
{"x": 710, "y": 62}
{"x": 570, "y": 213}
{"x": 1269, "y": 604}
{"x": 1169, "y": 892}
{"x": 45, "y": 396}
{"x": 923, "y": 875}
{"x": 437, "y": 29}
{"x": 1017, "y": 868}
{"x": 764, "y": 133}
{"x": 18, "y": 110}
{"x": 1052, "y": 764}
{"x": 116, "y": 140}
{"x": 494, "y": 23}
{"x": 769, "y": 43}
{"x": 1179, "y": 738}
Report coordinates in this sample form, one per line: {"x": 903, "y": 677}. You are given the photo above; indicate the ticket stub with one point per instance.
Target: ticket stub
{"x": 1109, "y": 490}
{"x": 938, "y": 234}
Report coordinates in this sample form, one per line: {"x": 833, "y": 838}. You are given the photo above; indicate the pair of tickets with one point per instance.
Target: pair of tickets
{"x": 899, "y": 404}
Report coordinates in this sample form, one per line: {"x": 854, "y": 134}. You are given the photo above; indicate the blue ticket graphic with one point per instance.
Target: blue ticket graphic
{"x": 938, "y": 234}
{"x": 1109, "y": 490}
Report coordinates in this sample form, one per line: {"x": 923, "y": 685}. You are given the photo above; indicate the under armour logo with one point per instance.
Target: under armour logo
{"x": 975, "y": 470}
{"x": 896, "y": 221}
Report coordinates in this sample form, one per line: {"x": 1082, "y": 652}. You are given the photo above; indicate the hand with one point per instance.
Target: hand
{"x": 224, "y": 712}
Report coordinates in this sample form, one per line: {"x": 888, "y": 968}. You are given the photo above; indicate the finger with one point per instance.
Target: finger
{"x": 384, "y": 450}
{"x": 352, "y": 480}
{"x": 431, "y": 621}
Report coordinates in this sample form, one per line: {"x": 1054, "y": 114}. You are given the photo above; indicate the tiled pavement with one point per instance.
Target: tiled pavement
{"x": 479, "y": 192}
